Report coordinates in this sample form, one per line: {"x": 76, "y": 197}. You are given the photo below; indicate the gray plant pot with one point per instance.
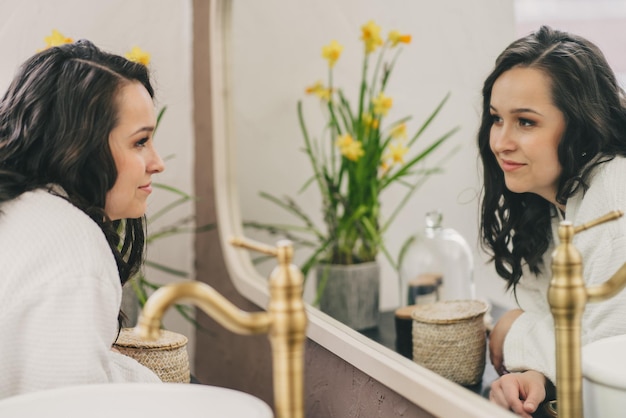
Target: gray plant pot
{"x": 351, "y": 293}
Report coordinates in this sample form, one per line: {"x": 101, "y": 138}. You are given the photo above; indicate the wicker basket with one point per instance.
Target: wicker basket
{"x": 167, "y": 356}
{"x": 449, "y": 338}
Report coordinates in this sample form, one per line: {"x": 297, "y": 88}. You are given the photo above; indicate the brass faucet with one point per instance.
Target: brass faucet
{"x": 567, "y": 296}
{"x": 285, "y": 321}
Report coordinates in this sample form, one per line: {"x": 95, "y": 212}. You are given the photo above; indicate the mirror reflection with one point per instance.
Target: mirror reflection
{"x": 451, "y": 51}
{"x": 276, "y": 60}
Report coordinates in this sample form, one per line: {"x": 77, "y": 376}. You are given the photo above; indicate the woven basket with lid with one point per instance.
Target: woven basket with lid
{"x": 449, "y": 338}
{"x": 167, "y": 356}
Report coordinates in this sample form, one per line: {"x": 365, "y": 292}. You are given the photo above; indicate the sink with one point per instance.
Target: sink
{"x": 132, "y": 400}
{"x": 604, "y": 378}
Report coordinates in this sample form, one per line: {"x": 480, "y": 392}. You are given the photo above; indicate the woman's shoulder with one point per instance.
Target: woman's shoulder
{"x": 43, "y": 206}
{"x": 46, "y": 221}
{"x": 609, "y": 177}
{"x": 606, "y": 192}
{"x": 615, "y": 167}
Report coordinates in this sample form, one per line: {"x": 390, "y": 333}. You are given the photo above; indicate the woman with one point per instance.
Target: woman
{"x": 552, "y": 141}
{"x": 76, "y": 160}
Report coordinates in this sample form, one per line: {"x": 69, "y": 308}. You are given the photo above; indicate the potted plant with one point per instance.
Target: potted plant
{"x": 359, "y": 155}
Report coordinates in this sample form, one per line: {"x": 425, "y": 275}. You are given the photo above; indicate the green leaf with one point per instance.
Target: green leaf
{"x": 158, "y": 121}
{"x": 429, "y": 119}
{"x": 434, "y": 145}
{"x": 166, "y": 269}
{"x": 172, "y": 190}
{"x": 291, "y": 207}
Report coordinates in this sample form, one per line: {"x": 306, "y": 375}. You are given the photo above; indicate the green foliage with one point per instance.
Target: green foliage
{"x": 143, "y": 287}
{"x": 356, "y": 158}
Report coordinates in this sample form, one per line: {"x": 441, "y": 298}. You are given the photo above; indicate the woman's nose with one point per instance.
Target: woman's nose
{"x": 501, "y": 139}
{"x": 156, "y": 163}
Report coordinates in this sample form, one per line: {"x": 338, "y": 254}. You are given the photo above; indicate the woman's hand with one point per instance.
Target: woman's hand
{"x": 520, "y": 392}
{"x": 497, "y": 336}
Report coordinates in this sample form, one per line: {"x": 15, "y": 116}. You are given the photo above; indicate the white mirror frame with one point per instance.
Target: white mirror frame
{"x": 424, "y": 388}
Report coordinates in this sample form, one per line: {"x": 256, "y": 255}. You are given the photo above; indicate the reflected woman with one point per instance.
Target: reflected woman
{"x": 76, "y": 161}
{"x": 553, "y": 144}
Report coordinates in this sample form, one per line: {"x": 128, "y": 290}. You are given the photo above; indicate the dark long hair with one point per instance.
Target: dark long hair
{"x": 515, "y": 228}
{"x": 55, "y": 120}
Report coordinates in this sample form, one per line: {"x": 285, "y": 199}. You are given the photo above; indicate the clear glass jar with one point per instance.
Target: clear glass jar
{"x": 438, "y": 257}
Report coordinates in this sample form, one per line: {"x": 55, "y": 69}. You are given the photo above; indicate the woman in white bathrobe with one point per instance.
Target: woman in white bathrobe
{"x": 76, "y": 161}
{"x": 553, "y": 144}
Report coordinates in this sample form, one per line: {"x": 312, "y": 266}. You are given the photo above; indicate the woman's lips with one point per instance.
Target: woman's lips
{"x": 508, "y": 165}
{"x": 146, "y": 188}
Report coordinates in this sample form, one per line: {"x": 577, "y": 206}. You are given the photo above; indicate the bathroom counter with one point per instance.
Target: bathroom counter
{"x": 385, "y": 334}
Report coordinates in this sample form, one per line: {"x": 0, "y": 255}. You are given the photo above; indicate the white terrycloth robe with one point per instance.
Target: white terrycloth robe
{"x": 530, "y": 343}
{"x": 60, "y": 294}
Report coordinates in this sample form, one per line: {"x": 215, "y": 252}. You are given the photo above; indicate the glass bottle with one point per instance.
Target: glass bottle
{"x": 458, "y": 271}
{"x": 439, "y": 255}
{"x": 421, "y": 268}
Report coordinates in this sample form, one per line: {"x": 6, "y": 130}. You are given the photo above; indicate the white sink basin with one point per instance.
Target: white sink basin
{"x": 132, "y": 400}
{"x": 604, "y": 378}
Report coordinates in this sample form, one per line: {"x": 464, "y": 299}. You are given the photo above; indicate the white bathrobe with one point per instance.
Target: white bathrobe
{"x": 60, "y": 294}
{"x": 530, "y": 342}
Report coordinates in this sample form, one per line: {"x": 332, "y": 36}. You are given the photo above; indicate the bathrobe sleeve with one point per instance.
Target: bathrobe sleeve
{"x": 530, "y": 343}
{"x": 59, "y": 300}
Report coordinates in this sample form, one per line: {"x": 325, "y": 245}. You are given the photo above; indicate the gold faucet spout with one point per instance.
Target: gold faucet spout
{"x": 609, "y": 288}
{"x": 204, "y": 297}
{"x": 285, "y": 321}
{"x": 568, "y": 296}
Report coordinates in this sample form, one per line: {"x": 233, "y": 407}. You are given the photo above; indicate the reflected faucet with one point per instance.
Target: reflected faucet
{"x": 567, "y": 296}
{"x": 285, "y": 321}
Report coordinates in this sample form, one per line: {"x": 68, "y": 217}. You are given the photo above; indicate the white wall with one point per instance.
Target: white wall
{"x": 600, "y": 21}
{"x": 277, "y": 46}
{"x": 162, "y": 28}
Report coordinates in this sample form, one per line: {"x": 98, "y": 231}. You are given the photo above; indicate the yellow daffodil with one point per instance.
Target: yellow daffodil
{"x": 384, "y": 168}
{"x": 399, "y": 131}
{"x": 370, "y": 34}
{"x": 56, "y": 39}
{"x": 353, "y": 152}
{"x": 319, "y": 90}
{"x": 397, "y": 152}
{"x": 138, "y": 55}
{"x": 344, "y": 141}
{"x": 382, "y": 104}
{"x": 369, "y": 121}
{"x": 332, "y": 52}
{"x": 349, "y": 148}
{"x": 395, "y": 37}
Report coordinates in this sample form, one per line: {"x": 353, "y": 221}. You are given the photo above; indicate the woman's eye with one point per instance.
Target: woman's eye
{"x": 495, "y": 118}
{"x": 526, "y": 122}
{"x": 142, "y": 142}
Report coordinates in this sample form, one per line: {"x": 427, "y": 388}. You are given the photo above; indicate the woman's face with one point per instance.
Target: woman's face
{"x": 526, "y": 131}
{"x": 134, "y": 154}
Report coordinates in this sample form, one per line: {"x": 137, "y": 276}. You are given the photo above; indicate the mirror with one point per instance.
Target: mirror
{"x": 274, "y": 60}
{"x": 264, "y": 54}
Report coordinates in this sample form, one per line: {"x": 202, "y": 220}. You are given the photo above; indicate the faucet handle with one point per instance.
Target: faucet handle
{"x": 253, "y": 245}
{"x": 283, "y": 250}
{"x": 567, "y": 230}
{"x": 615, "y": 214}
